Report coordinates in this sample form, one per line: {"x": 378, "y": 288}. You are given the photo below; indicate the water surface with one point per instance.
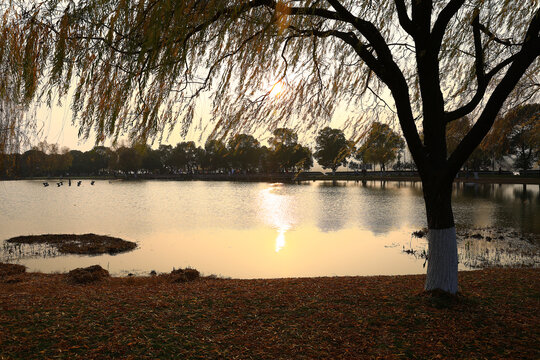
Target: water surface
{"x": 252, "y": 230}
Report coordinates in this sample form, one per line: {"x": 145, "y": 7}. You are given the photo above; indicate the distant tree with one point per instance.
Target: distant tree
{"x": 381, "y": 145}
{"x": 201, "y": 159}
{"x": 128, "y": 160}
{"x": 150, "y": 159}
{"x": 286, "y": 153}
{"x": 79, "y": 163}
{"x": 185, "y": 156}
{"x": 353, "y": 165}
{"x": 267, "y": 161}
{"x": 46, "y": 162}
{"x": 215, "y": 154}
{"x": 283, "y": 137}
{"x": 165, "y": 156}
{"x": 63, "y": 161}
{"x": 101, "y": 158}
{"x": 57, "y": 161}
{"x": 302, "y": 158}
{"x": 455, "y": 131}
{"x": 400, "y": 164}
{"x": 244, "y": 152}
{"x": 332, "y": 148}
{"x": 9, "y": 165}
{"x": 519, "y": 132}
{"x": 493, "y": 144}
{"x": 34, "y": 163}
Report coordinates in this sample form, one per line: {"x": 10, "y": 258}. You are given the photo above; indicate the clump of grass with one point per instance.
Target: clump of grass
{"x": 185, "y": 275}
{"x": 88, "y": 275}
{"x": 420, "y": 233}
{"x": 85, "y": 244}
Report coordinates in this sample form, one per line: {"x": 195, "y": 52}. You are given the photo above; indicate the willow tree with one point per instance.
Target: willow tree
{"x": 138, "y": 67}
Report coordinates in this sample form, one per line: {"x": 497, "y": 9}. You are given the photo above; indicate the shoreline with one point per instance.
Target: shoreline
{"x": 301, "y": 177}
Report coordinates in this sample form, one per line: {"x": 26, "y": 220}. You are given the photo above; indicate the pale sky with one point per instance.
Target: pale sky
{"x": 55, "y": 126}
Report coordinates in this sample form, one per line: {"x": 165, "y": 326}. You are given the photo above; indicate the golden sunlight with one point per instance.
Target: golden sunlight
{"x": 277, "y": 89}
{"x": 275, "y": 212}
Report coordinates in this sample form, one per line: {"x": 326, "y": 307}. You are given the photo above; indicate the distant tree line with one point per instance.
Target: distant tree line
{"x": 517, "y": 134}
{"x": 242, "y": 153}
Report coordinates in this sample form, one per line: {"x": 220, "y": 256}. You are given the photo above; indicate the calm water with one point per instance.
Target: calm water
{"x": 252, "y": 230}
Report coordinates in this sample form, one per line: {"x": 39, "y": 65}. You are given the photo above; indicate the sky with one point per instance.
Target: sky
{"x": 55, "y": 125}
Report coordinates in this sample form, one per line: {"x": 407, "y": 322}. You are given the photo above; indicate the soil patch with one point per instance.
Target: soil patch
{"x": 85, "y": 244}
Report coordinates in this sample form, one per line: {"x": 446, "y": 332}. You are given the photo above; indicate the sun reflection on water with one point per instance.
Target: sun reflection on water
{"x": 275, "y": 211}
{"x": 280, "y": 239}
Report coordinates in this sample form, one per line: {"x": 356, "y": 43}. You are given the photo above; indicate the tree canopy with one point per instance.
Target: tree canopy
{"x": 518, "y": 132}
{"x": 244, "y": 153}
{"x": 287, "y": 153}
{"x": 381, "y": 145}
{"x": 139, "y": 66}
{"x": 332, "y": 148}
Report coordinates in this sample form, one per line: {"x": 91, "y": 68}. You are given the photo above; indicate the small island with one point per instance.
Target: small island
{"x": 83, "y": 244}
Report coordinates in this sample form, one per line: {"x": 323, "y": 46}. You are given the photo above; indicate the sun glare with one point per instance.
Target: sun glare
{"x": 277, "y": 89}
{"x": 274, "y": 211}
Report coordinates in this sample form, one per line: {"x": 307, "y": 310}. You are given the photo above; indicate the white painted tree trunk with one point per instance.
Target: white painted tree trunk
{"x": 442, "y": 260}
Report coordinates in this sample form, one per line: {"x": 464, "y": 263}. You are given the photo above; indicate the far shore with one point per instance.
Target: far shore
{"x": 532, "y": 177}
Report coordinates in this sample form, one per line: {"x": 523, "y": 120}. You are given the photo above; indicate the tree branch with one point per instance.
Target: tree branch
{"x": 484, "y": 79}
{"x": 493, "y": 37}
{"x": 310, "y": 11}
{"x": 404, "y": 20}
{"x": 387, "y": 70}
{"x": 390, "y": 74}
{"x": 526, "y": 56}
{"x": 480, "y": 92}
{"x": 367, "y": 29}
{"x": 439, "y": 28}
{"x": 478, "y": 51}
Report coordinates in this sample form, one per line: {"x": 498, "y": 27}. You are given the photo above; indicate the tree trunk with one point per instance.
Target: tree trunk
{"x": 442, "y": 243}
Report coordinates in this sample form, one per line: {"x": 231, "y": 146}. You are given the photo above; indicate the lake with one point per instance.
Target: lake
{"x": 261, "y": 230}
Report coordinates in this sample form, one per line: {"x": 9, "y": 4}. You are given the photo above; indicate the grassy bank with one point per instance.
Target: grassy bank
{"x": 46, "y": 316}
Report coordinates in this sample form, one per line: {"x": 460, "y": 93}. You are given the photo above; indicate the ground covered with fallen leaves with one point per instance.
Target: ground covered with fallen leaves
{"x": 46, "y": 316}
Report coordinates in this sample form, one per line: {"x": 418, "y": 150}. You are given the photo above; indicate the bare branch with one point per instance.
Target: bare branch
{"x": 443, "y": 19}
{"x": 478, "y": 50}
{"x": 526, "y": 56}
{"x": 480, "y": 91}
{"x": 367, "y": 29}
{"x": 484, "y": 79}
{"x": 493, "y": 37}
{"x": 404, "y": 20}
